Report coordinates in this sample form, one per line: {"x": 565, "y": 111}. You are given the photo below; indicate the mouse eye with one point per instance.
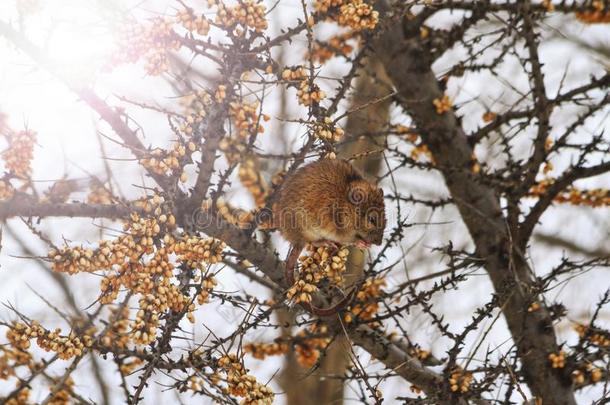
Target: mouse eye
{"x": 372, "y": 219}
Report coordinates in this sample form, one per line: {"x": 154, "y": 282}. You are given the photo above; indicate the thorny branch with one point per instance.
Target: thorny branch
{"x": 179, "y": 239}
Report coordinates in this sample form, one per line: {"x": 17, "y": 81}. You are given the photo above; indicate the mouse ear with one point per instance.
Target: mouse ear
{"x": 355, "y": 193}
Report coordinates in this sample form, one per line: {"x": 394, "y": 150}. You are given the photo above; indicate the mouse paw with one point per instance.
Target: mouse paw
{"x": 362, "y": 244}
{"x": 332, "y": 246}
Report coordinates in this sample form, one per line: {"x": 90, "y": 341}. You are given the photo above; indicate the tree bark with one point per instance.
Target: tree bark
{"x": 300, "y": 388}
{"x": 408, "y": 64}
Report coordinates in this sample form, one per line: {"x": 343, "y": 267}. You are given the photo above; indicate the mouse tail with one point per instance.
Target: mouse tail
{"x": 291, "y": 263}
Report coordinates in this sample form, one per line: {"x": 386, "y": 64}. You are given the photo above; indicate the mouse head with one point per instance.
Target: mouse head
{"x": 369, "y": 221}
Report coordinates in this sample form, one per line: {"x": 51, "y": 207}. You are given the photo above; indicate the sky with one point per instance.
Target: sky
{"x": 80, "y": 35}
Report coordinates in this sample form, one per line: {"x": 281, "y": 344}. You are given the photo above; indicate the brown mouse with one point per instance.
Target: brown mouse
{"x": 328, "y": 203}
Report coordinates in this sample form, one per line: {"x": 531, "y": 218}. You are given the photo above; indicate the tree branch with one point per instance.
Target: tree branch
{"x": 112, "y": 117}
{"x": 27, "y": 208}
{"x": 409, "y": 66}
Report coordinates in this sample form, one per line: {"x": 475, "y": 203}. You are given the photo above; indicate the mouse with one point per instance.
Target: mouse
{"x": 328, "y": 203}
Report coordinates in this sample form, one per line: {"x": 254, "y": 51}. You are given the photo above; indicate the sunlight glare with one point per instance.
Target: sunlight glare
{"x": 79, "y": 51}
{"x": 77, "y": 37}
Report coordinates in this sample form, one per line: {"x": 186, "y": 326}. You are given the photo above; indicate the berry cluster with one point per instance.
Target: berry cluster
{"x": 442, "y": 104}
{"x": 221, "y": 93}
{"x": 599, "y": 338}
{"x": 419, "y": 353}
{"x": 322, "y": 6}
{"x": 193, "y": 23}
{"x": 234, "y": 149}
{"x": 315, "y": 267}
{"x": 328, "y": 131}
{"x": 242, "y": 384}
{"x": 18, "y": 156}
{"x": 599, "y": 197}
{"x": 195, "y": 110}
{"x": 558, "y": 360}
{"x": 358, "y": 15}
{"x": 459, "y": 381}
{"x": 366, "y": 302}
{"x": 590, "y": 374}
{"x": 116, "y": 334}
{"x": 294, "y": 74}
{"x": 66, "y": 346}
{"x": 600, "y": 14}
{"x": 6, "y": 190}
{"x": 234, "y": 216}
{"x": 153, "y": 42}
{"x": 251, "y": 178}
{"x": 165, "y": 162}
{"x": 99, "y": 194}
{"x": 246, "y": 118}
{"x": 22, "y": 396}
{"x": 309, "y": 93}
{"x": 335, "y": 46}
{"x": 308, "y": 345}
{"x": 489, "y": 116}
{"x": 144, "y": 261}
{"x": 244, "y": 15}
{"x": 137, "y": 240}
{"x": 421, "y": 151}
{"x": 261, "y": 350}
{"x": 193, "y": 250}
{"x": 311, "y": 342}
{"x": 207, "y": 285}
{"x": 406, "y": 132}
